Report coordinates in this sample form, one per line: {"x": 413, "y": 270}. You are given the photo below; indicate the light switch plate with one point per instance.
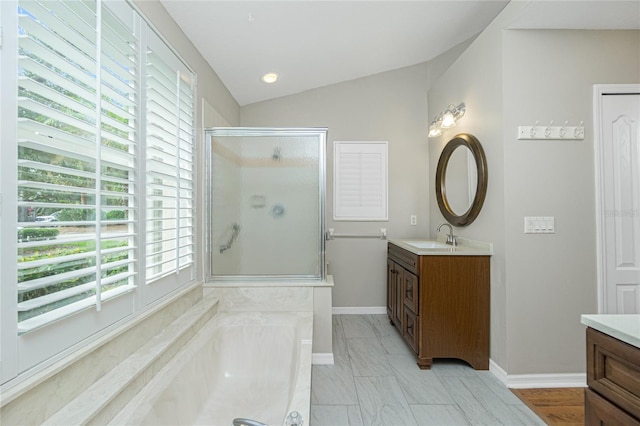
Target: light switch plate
{"x": 539, "y": 225}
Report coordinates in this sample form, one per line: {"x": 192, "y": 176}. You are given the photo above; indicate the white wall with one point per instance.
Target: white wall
{"x": 540, "y": 283}
{"x": 390, "y": 107}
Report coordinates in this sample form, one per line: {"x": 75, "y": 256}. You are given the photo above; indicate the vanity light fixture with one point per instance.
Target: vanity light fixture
{"x": 434, "y": 128}
{"x": 446, "y": 119}
{"x": 269, "y": 78}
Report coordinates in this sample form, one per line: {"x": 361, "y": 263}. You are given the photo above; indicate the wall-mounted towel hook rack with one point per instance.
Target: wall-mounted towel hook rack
{"x": 551, "y": 132}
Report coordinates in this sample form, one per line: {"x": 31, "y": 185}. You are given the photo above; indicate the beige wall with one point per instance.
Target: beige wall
{"x": 390, "y": 107}
{"x": 540, "y": 283}
{"x": 551, "y": 279}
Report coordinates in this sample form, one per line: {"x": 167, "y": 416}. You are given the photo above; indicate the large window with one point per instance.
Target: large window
{"x": 169, "y": 234}
{"x": 97, "y": 138}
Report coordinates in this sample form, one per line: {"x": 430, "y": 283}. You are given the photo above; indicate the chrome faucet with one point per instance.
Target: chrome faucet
{"x": 451, "y": 239}
{"x": 247, "y": 422}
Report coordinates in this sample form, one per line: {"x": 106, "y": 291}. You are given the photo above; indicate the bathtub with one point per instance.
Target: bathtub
{"x": 254, "y": 365}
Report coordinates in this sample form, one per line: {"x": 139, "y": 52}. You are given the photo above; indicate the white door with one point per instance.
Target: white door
{"x": 620, "y": 201}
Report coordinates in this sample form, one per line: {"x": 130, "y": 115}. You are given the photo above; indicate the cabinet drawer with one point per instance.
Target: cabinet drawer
{"x": 410, "y": 329}
{"x": 411, "y": 288}
{"x": 405, "y": 258}
{"x": 600, "y": 412}
{"x": 613, "y": 370}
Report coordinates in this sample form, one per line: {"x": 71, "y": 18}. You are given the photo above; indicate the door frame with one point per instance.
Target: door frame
{"x": 599, "y": 90}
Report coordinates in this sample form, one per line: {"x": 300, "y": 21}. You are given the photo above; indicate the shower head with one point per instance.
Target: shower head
{"x": 276, "y": 154}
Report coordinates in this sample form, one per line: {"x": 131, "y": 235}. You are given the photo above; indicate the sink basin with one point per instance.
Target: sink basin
{"x": 434, "y": 247}
{"x": 428, "y": 245}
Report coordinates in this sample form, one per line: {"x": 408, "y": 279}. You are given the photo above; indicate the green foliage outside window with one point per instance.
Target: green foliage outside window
{"x": 36, "y": 234}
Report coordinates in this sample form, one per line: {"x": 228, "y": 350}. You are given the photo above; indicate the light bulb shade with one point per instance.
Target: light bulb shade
{"x": 448, "y": 119}
{"x": 434, "y": 130}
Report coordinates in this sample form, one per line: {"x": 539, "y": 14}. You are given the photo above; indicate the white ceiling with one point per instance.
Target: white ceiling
{"x": 317, "y": 43}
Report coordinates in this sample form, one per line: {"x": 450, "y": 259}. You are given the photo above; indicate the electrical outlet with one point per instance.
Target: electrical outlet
{"x": 413, "y": 220}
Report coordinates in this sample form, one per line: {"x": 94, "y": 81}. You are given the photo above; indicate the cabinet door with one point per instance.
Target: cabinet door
{"x": 410, "y": 329}
{"x": 613, "y": 370}
{"x": 410, "y": 294}
{"x": 391, "y": 288}
{"x": 398, "y": 307}
{"x": 395, "y": 296}
{"x": 598, "y": 411}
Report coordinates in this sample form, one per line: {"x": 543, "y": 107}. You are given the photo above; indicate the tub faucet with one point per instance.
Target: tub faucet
{"x": 247, "y": 422}
{"x": 451, "y": 239}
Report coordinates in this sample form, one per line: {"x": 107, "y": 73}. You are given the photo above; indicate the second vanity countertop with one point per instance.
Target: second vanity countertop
{"x": 622, "y": 327}
{"x": 465, "y": 247}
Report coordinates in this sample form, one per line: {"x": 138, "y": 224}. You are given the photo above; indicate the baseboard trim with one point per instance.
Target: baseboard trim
{"x": 359, "y": 310}
{"x": 498, "y": 371}
{"x": 322, "y": 358}
{"x": 531, "y": 381}
{"x": 528, "y": 381}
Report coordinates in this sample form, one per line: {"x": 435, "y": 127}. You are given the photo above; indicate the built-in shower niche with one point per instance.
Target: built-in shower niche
{"x": 265, "y": 198}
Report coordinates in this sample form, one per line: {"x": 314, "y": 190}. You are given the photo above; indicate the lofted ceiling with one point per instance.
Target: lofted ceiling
{"x": 312, "y": 44}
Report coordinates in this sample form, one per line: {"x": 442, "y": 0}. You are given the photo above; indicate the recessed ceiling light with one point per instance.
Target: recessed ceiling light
{"x": 271, "y": 77}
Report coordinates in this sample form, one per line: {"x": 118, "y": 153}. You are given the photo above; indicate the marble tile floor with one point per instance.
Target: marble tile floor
{"x": 375, "y": 381}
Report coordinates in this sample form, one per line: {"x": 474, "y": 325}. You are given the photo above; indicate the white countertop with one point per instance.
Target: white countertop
{"x": 465, "y": 247}
{"x": 622, "y": 327}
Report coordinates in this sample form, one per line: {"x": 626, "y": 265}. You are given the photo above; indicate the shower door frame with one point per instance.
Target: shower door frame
{"x": 320, "y": 132}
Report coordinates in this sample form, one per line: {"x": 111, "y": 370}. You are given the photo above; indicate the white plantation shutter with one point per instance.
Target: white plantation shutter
{"x": 99, "y": 140}
{"x": 360, "y": 181}
{"x": 170, "y": 137}
{"x": 73, "y": 164}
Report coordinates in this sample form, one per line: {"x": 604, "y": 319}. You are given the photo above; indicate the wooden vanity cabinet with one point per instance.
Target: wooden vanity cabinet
{"x": 440, "y": 305}
{"x": 613, "y": 377}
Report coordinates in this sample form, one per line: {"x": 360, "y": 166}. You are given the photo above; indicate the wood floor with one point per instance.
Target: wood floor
{"x": 556, "y": 407}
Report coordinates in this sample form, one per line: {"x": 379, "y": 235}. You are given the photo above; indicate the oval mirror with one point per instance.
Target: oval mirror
{"x": 461, "y": 180}
{"x": 461, "y": 177}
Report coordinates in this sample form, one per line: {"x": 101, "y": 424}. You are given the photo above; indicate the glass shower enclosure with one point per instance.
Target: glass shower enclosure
{"x": 265, "y": 203}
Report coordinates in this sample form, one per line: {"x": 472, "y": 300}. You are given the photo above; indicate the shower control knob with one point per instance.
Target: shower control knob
{"x": 294, "y": 419}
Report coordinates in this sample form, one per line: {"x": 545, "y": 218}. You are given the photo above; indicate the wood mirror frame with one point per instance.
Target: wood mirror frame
{"x": 471, "y": 143}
